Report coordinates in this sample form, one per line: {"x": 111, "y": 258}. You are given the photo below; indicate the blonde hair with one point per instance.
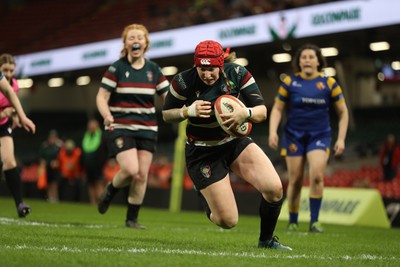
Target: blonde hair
{"x": 130, "y": 27}
{"x": 231, "y": 57}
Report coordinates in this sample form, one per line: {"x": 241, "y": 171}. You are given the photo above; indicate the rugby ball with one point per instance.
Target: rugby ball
{"x": 226, "y": 104}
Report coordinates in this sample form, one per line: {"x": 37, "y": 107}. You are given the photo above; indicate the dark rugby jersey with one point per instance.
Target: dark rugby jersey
{"x": 309, "y": 101}
{"x": 132, "y": 97}
{"x": 187, "y": 87}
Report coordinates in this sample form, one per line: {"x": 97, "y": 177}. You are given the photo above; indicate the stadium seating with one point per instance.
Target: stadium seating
{"x": 29, "y": 24}
{"x": 366, "y": 177}
{"x": 45, "y": 24}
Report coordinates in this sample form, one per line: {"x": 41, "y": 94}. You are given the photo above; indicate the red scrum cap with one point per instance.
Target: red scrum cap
{"x": 209, "y": 54}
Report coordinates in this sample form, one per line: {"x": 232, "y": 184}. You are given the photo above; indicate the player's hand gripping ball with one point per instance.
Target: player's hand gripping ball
{"x": 226, "y": 104}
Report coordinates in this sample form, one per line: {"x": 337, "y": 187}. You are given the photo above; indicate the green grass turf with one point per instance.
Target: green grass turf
{"x": 68, "y": 234}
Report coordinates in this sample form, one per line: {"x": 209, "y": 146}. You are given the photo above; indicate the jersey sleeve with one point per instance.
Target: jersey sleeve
{"x": 336, "y": 91}
{"x": 283, "y": 92}
{"x": 248, "y": 87}
{"x": 110, "y": 80}
{"x": 162, "y": 82}
{"x": 175, "y": 97}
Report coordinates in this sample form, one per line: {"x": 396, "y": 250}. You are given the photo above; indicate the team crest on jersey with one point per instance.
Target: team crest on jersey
{"x": 206, "y": 171}
{"x": 320, "y": 86}
{"x": 149, "y": 75}
{"x": 127, "y": 74}
{"x": 197, "y": 93}
{"x": 293, "y": 148}
{"x": 119, "y": 142}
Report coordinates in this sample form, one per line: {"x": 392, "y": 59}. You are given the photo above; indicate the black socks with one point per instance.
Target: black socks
{"x": 13, "y": 181}
{"x": 269, "y": 213}
{"x": 112, "y": 190}
{"x": 132, "y": 212}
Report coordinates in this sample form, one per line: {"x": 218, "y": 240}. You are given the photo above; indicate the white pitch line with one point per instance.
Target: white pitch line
{"x": 289, "y": 255}
{"x": 9, "y": 221}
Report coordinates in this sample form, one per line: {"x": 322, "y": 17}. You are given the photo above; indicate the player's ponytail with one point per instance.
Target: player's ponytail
{"x": 228, "y": 57}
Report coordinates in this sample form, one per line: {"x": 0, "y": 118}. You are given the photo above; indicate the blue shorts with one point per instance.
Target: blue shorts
{"x": 299, "y": 143}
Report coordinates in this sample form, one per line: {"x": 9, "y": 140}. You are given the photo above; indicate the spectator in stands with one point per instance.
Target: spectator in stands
{"x": 48, "y": 153}
{"x": 160, "y": 172}
{"x": 111, "y": 168}
{"x": 11, "y": 116}
{"x": 126, "y": 100}
{"x": 93, "y": 159}
{"x": 308, "y": 95}
{"x": 390, "y": 158}
{"x": 69, "y": 164}
{"x": 29, "y": 176}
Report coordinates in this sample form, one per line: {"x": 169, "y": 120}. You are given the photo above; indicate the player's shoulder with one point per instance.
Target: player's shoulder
{"x": 231, "y": 67}
{"x": 236, "y": 72}
{"x": 288, "y": 78}
{"x": 185, "y": 78}
{"x": 330, "y": 79}
{"x": 118, "y": 65}
{"x": 152, "y": 64}
{"x": 120, "y": 62}
{"x": 188, "y": 74}
{"x": 324, "y": 77}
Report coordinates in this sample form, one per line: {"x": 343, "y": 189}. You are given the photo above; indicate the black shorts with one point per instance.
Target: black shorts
{"x": 52, "y": 174}
{"x": 6, "y": 129}
{"x": 93, "y": 174}
{"x": 208, "y": 165}
{"x": 120, "y": 143}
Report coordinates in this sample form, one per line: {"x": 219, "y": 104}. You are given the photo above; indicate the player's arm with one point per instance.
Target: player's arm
{"x": 256, "y": 111}
{"x": 240, "y": 115}
{"x": 274, "y": 121}
{"x": 9, "y": 93}
{"x": 343, "y": 114}
{"x": 257, "y": 114}
{"x": 163, "y": 96}
{"x": 199, "y": 108}
{"x": 102, "y": 98}
{"x": 175, "y": 110}
{"x": 7, "y": 112}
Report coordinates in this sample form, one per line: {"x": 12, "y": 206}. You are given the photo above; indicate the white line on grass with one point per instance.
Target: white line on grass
{"x": 9, "y": 221}
{"x": 197, "y": 252}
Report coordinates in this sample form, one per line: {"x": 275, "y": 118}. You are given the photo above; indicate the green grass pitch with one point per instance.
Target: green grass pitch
{"x": 68, "y": 234}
